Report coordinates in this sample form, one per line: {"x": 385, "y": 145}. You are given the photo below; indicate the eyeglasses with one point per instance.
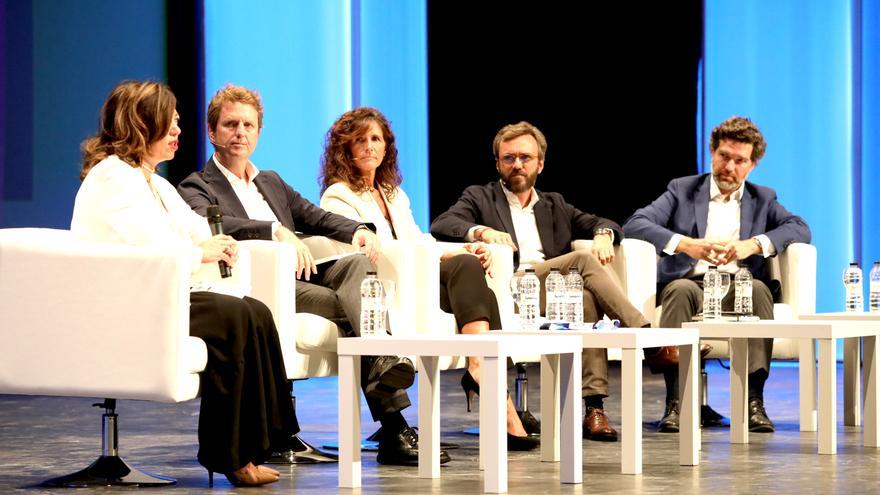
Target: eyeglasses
{"x": 510, "y": 159}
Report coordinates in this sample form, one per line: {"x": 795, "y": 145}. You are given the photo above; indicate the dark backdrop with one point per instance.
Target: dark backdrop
{"x": 613, "y": 87}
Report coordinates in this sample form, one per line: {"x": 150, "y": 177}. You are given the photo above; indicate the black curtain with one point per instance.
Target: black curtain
{"x": 186, "y": 77}
{"x": 612, "y": 86}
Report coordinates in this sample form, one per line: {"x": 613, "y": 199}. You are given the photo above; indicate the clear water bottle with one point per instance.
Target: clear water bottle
{"x": 556, "y": 296}
{"x": 852, "y": 281}
{"x": 574, "y": 285}
{"x": 530, "y": 300}
{"x": 712, "y": 294}
{"x": 874, "y": 297}
{"x": 742, "y": 303}
{"x": 372, "y": 307}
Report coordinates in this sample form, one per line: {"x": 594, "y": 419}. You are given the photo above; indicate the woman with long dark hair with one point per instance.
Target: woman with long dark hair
{"x": 245, "y": 402}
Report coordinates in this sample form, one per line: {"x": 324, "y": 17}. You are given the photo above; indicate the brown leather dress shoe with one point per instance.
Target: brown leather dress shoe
{"x": 596, "y": 426}
{"x": 667, "y": 357}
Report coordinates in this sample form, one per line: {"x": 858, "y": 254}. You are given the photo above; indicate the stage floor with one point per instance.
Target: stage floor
{"x": 43, "y": 437}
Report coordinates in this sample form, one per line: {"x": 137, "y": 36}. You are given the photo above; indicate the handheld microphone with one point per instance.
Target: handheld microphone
{"x": 215, "y": 221}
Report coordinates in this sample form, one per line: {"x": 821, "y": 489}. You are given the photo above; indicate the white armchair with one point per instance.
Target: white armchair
{"x": 635, "y": 265}
{"x": 309, "y": 341}
{"x": 83, "y": 319}
{"x": 795, "y": 268}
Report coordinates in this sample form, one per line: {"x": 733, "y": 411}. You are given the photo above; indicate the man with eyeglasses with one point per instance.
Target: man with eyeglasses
{"x": 540, "y": 227}
{"x": 717, "y": 219}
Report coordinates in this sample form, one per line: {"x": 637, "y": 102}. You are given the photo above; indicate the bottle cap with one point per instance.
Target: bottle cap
{"x": 853, "y": 264}
{"x": 554, "y": 269}
{"x": 371, "y": 272}
{"x": 530, "y": 270}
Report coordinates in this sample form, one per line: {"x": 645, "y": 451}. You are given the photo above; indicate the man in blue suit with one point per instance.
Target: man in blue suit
{"x": 718, "y": 219}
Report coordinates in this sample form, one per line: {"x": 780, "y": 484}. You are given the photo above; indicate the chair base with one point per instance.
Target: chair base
{"x": 108, "y": 471}
{"x": 300, "y": 452}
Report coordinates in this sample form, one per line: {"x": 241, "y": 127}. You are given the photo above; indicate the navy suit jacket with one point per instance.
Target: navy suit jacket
{"x": 684, "y": 209}
{"x": 558, "y": 222}
{"x": 210, "y": 187}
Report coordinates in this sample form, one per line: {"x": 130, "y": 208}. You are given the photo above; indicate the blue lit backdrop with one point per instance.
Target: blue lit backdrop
{"x": 790, "y": 67}
{"x": 313, "y": 60}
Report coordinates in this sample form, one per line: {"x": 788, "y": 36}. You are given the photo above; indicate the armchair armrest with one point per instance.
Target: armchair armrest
{"x": 795, "y": 267}
{"x": 79, "y": 318}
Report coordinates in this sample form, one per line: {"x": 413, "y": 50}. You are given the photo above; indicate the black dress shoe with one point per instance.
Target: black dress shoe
{"x": 529, "y": 422}
{"x": 710, "y": 418}
{"x": 377, "y": 436}
{"x": 388, "y": 374}
{"x": 669, "y": 422}
{"x": 298, "y": 451}
{"x": 403, "y": 449}
{"x": 758, "y": 420}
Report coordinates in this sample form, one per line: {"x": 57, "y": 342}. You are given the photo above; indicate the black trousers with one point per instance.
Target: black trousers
{"x": 464, "y": 292}
{"x": 246, "y": 406}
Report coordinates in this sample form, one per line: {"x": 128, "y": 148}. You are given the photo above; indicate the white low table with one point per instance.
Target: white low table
{"x": 852, "y": 379}
{"x": 632, "y": 341}
{"x": 826, "y": 332}
{"x": 560, "y": 366}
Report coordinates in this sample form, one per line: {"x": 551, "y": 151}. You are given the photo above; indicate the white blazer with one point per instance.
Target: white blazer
{"x": 115, "y": 204}
{"x": 340, "y": 199}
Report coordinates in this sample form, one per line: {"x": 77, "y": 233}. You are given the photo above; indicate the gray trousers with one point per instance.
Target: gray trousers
{"x": 335, "y": 293}
{"x": 683, "y": 298}
{"x": 602, "y": 296}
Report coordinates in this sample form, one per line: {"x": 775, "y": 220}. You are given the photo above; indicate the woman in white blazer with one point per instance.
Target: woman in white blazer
{"x": 245, "y": 401}
{"x": 361, "y": 180}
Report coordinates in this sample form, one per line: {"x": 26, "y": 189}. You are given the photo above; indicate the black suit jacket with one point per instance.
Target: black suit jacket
{"x": 210, "y": 187}
{"x": 558, "y": 222}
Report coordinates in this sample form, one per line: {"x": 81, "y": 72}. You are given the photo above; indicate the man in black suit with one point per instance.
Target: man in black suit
{"x": 259, "y": 205}
{"x": 540, "y": 227}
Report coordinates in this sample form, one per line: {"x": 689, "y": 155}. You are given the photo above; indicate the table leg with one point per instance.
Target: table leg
{"x": 739, "y": 387}
{"x": 429, "y": 417}
{"x": 631, "y": 412}
{"x": 550, "y": 408}
{"x": 349, "y": 421}
{"x": 872, "y": 386}
{"x": 807, "y": 382}
{"x": 493, "y": 423}
{"x": 852, "y": 387}
{"x": 572, "y": 468}
{"x": 827, "y": 396}
{"x": 688, "y": 379}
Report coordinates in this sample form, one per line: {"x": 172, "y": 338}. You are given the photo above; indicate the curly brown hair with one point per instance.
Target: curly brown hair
{"x": 135, "y": 115}
{"x": 337, "y": 164}
{"x": 742, "y": 130}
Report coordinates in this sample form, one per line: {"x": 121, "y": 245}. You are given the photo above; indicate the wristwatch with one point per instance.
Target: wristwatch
{"x": 604, "y": 230}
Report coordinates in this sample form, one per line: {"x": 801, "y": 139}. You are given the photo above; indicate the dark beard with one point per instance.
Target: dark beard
{"x": 519, "y": 187}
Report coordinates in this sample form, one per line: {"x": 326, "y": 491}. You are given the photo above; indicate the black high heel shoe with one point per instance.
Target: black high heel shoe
{"x": 472, "y": 388}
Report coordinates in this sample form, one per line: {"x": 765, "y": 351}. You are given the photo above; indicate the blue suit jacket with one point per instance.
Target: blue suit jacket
{"x": 684, "y": 209}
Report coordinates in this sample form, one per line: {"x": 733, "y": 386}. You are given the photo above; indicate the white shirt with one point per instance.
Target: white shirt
{"x": 722, "y": 225}
{"x": 251, "y": 198}
{"x": 531, "y": 250}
